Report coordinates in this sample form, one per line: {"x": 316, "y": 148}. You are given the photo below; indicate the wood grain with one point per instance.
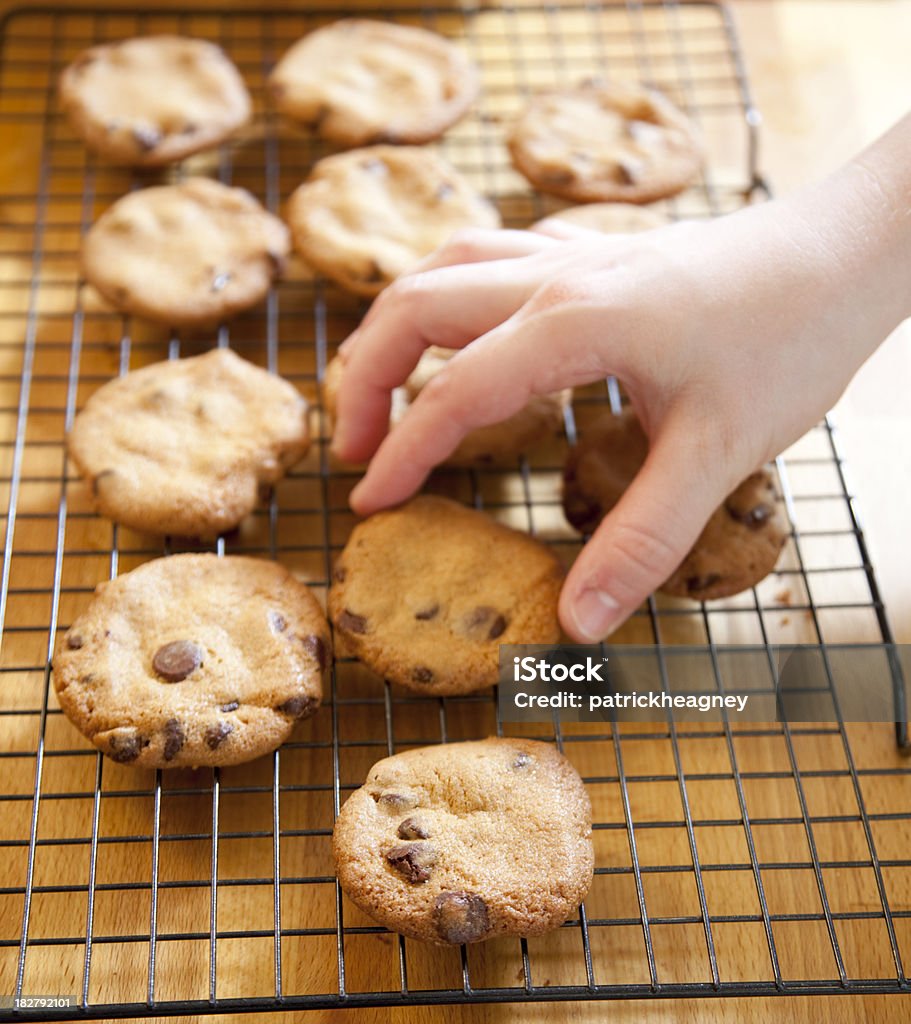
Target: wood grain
{"x": 828, "y": 75}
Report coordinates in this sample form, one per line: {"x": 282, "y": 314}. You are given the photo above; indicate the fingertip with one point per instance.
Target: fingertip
{"x": 338, "y": 450}
{"x": 344, "y": 350}
{"x": 357, "y": 501}
{"x": 364, "y": 500}
{"x": 590, "y": 614}
{"x": 341, "y": 446}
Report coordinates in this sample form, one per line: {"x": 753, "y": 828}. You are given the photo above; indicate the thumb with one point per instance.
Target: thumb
{"x": 644, "y": 538}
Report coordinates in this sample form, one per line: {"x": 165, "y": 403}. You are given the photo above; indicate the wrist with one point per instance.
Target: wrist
{"x": 860, "y": 217}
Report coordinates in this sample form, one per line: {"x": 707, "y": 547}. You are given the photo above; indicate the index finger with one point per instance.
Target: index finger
{"x": 450, "y": 306}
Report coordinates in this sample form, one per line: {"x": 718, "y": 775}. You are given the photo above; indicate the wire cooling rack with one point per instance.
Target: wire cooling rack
{"x": 730, "y": 860}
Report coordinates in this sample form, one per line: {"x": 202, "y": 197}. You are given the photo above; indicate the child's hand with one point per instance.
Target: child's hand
{"x": 731, "y": 337}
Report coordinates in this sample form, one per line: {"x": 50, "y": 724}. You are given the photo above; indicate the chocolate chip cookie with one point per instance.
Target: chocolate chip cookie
{"x": 425, "y": 594}
{"x": 356, "y": 82}
{"x": 502, "y": 442}
{"x": 607, "y": 218}
{"x": 364, "y": 217}
{"x": 193, "y": 660}
{"x": 606, "y": 142}
{"x": 186, "y": 255}
{"x": 740, "y": 543}
{"x": 148, "y": 102}
{"x": 467, "y": 841}
{"x": 184, "y": 447}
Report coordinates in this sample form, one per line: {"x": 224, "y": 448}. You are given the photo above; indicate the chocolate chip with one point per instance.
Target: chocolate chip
{"x": 558, "y": 177}
{"x": 487, "y": 617}
{"x": 174, "y": 739}
{"x": 351, "y": 622}
{"x": 177, "y": 660}
{"x": 427, "y": 613}
{"x": 411, "y": 828}
{"x": 278, "y": 621}
{"x": 155, "y": 399}
{"x": 582, "y": 512}
{"x": 460, "y": 917}
{"x": 276, "y": 262}
{"x": 694, "y": 584}
{"x": 314, "y": 645}
{"x": 340, "y": 574}
{"x": 413, "y": 861}
{"x": 478, "y": 616}
{"x": 147, "y": 137}
{"x": 627, "y": 172}
{"x": 397, "y": 801}
{"x": 385, "y": 138}
{"x": 74, "y": 641}
{"x": 753, "y": 518}
{"x": 298, "y": 707}
{"x": 217, "y": 734}
{"x": 189, "y": 128}
{"x": 124, "y": 746}
{"x": 497, "y": 628}
{"x": 87, "y": 680}
{"x": 232, "y": 706}
{"x": 315, "y": 122}
{"x": 99, "y": 477}
{"x": 422, "y": 674}
{"x": 373, "y": 273}
{"x": 522, "y": 760}
{"x": 220, "y": 282}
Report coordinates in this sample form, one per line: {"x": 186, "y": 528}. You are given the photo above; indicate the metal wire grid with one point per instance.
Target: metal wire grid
{"x": 793, "y": 837}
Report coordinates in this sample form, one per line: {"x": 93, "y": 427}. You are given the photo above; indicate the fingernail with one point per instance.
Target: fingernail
{"x": 594, "y": 613}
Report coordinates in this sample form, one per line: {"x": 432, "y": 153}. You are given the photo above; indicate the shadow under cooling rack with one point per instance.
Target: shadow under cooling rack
{"x": 730, "y": 860}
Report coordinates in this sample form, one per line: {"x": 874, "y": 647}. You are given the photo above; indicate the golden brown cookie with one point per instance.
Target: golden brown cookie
{"x": 740, "y": 543}
{"x": 183, "y": 447}
{"x": 425, "y": 594}
{"x": 502, "y": 442}
{"x": 461, "y": 842}
{"x": 606, "y": 142}
{"x": 367, "y": 216}
{"x": 189, "y": 254}
{"x": 607, "y": 218}
{"x": 193, "y": 660}
{"x": 148, "y": 102}
{"x": 357, "y": 82}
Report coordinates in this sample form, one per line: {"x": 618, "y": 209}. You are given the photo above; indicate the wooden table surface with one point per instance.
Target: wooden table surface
{"x": 828, "y": 76}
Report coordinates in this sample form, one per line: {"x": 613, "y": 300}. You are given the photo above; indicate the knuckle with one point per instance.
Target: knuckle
{"x": 439, "y": 387}
{"x": 641, "y": 557}
{"x": 465, "y": 245}
{"x": 406, "y": 291}
{"x": 561, "y": 291}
